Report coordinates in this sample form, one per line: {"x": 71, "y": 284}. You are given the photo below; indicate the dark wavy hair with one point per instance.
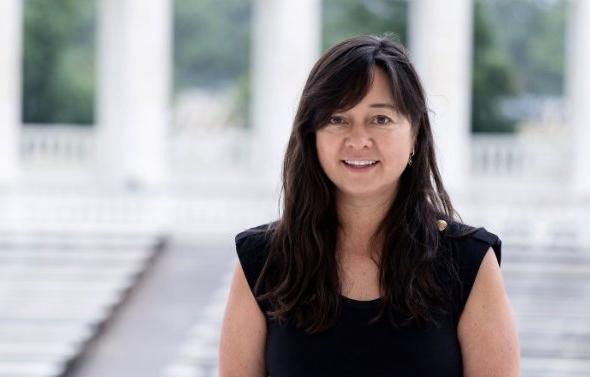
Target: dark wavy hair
{"x": 300, "y": 276}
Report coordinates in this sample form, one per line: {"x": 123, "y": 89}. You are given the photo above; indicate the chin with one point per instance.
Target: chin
{"x": 364, "y": 191}
{"x": 360, "y": 192}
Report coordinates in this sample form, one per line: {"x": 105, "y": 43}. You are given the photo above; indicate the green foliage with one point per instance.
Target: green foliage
{"x": 519, "y": 49}
{"x": 533, "y": 34}
{"x": 493, "y": 78}
{"x": 58, "y": 61}
{"x": 212, "y": 48}
{"x": 343, "y": 19}
{"x": 211, "y": 42}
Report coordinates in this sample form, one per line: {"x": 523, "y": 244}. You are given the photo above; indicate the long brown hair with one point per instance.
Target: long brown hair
{"x": 300, "y": 278}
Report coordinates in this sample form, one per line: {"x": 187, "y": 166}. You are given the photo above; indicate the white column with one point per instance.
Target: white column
{"x": 286, "y": 44}
{"x": 10, "y": 87}
{"x": 441, "y": 35}
{"x": 578, "y": 92}
{"x": 134, "y": 40}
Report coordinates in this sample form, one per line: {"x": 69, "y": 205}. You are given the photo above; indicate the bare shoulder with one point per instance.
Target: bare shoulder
{"x": 487, "y": 329}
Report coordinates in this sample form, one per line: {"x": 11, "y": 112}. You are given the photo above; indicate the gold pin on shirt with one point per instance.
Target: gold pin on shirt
{"x": 441, "y": 224}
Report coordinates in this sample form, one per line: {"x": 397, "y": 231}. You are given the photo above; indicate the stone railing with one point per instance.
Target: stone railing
{"x": 71, "y": 147}
{"x": 515, "y": 156}
{"x": 493, "y": 155}
{"x": 59, "y": 146}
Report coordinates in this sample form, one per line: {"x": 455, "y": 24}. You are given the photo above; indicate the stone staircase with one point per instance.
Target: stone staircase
{"x": 549, "y": 289}
{"x": 198, "y": 356}
{"x": 58, "y": 292}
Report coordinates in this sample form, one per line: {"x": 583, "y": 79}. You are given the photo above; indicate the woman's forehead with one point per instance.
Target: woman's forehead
{"x": 379, "y": 95}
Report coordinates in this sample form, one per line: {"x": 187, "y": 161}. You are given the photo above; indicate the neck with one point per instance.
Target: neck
{"x": 359, "y": 218}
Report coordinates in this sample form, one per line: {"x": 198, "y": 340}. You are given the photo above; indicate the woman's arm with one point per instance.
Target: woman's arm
{"x": 487, "y": 329}
{"x": 243, "y": 332}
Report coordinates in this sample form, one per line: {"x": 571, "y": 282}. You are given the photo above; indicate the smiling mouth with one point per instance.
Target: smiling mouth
{"x": 360, "y": 165}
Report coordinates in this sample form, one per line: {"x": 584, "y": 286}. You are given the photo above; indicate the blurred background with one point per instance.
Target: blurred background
{"x": 137, "y": 137}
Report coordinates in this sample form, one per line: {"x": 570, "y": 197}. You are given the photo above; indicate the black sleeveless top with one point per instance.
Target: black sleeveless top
{"x": 353, "y": 347}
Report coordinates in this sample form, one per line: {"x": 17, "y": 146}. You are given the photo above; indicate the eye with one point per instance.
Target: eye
{"x": 383, "y": 120}
{"x": 335, "y": 120}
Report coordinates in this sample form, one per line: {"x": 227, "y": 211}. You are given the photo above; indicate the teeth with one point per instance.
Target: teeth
{"x": 360, "y": 163}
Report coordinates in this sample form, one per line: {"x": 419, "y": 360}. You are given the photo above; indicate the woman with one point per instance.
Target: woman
{"x": 367, "y": 272}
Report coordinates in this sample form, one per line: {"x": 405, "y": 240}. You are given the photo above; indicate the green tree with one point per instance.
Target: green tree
{"x": 493, "y": 77}
{"x": 58, "y": 61}
{"x": 212, "y": 48}
{"x": 343, "y": 19}
{"x": 211, "y": 42}
{"x": 532, "y": 32}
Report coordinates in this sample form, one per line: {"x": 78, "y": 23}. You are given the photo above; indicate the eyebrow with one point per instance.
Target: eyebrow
{"x": 379, "y": 106}
{"x": 383, "y": 105}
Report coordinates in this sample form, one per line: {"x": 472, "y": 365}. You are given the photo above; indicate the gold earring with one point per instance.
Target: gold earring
{"x": 410, "y": 160}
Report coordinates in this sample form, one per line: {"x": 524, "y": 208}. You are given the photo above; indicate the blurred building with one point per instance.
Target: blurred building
{"x": 132, "y": 171}
{"x": 132, "y": 146}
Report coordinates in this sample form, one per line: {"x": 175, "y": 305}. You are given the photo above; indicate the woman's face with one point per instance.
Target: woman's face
{"x": 371, "y": 132}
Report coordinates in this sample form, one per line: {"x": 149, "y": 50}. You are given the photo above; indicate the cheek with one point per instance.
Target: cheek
{"x": 396, "y": 153}
{"x": 323, "y": 149}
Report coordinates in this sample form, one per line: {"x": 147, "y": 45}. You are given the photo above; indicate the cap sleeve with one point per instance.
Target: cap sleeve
{"x": 469, "y": 251}
{"x": 252, "y": 250}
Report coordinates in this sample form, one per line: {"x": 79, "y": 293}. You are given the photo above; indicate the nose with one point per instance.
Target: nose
{"x": 358, "y": 139}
